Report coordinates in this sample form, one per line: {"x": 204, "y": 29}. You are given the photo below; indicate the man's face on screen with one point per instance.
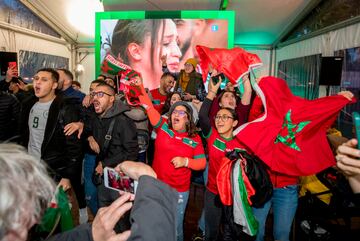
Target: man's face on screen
{"x": 185, "y": 31}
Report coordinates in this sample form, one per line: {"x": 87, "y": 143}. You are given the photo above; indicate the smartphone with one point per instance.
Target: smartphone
{"x": 356, "y": 122}
{"x": 215, "y": 79}
{"x": 118, "y": 181}
{"x": 13, "y": 65}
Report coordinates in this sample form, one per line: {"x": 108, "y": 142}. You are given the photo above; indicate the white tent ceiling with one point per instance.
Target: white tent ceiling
{"x": 258, "y": 22}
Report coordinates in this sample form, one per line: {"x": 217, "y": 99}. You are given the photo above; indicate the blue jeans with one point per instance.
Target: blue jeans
{"x": 180, "y": 213}
{"x": 284, "y": 203}
{"x": 90, "y": 189}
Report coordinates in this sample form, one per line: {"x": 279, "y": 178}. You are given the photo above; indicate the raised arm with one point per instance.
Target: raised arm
{"x": 204, "y": 120}
{"x": 246, "y": 98}
{"x": 153, "y": 114}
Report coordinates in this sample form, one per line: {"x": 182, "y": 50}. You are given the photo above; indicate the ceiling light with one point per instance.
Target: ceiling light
{"x": 81, "y": 15}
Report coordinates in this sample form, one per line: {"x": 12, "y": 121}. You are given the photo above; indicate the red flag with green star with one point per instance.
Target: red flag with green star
{"x": 234, "y": 63}
{"x": 291, "y": 136}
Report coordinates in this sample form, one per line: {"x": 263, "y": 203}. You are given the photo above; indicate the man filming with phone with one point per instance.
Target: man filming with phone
{"x": 10, "y": 73}
{"x": 22, "y": 204}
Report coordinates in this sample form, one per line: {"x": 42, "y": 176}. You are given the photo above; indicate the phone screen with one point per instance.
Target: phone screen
{"x": 216, "y": 78}
{"x": 356, "y": 122}
{"x": 13, "y": 65}
{"x": 118, "y": 181}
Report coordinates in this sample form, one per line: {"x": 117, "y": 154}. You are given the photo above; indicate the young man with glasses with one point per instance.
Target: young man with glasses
{"x": 122, "y": 141}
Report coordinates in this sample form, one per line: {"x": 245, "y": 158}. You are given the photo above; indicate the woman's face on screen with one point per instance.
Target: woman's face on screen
{"x": 150, "y": 64}
{"x": 170, "y": 46}
{"x": 167, "y": 38}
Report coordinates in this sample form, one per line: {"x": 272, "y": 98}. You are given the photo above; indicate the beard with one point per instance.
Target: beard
{"x": 185, "y": 47}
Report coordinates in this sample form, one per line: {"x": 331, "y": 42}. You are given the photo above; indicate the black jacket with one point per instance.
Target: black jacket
{"x": 152, "y": 216}
{"x": 4, "y": 86}
{"x": 124, "y": 144}
{"x": 9, "y": 116}
{"x": 63, "y": 154}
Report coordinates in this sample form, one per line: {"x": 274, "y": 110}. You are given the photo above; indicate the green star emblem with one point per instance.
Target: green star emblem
{"x": 292, "y": 129}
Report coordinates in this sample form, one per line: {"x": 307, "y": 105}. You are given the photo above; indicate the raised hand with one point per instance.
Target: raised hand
{"x": 347, "y": 94}
{"x": 106, "y": 218}
{"x": 11, "y": 72}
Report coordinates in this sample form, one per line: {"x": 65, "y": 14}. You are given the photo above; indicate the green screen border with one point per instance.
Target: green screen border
{"x": 228, "y": 15}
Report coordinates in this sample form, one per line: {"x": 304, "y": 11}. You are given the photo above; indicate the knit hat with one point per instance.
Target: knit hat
{"x": 192, "y": 61}
{"x": 186, "y": 105}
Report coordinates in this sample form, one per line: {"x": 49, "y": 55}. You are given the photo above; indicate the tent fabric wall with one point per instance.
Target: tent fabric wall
{"x": 265, "y": 56}
{"x": 24, "y": 42}
{"x": 13, "y": 41}
{"x": 324, "y": 44}
{"x": 89, "y": 72}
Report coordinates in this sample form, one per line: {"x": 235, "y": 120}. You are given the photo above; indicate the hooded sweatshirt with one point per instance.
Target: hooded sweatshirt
{"x": 123, "y": 144}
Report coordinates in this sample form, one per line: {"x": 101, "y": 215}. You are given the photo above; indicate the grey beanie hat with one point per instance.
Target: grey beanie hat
{"x": 183, "y": 103}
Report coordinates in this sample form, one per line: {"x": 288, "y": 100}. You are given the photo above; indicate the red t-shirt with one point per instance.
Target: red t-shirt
{"x": 218, "y": 146}
{"x": 158, "y": 99}
{"x": 170, "y": 144}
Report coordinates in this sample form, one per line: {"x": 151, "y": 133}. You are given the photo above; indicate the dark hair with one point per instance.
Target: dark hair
{"x": 167, "y": 104}
{"x": 67, "y": 73}
{"x": 166, "y": 74}
{"x": 232, "y": 112}
{"x": 97, "y": 81}
{"x": 53, "y": 72}
{"x": 77, "y": 83}
{"x": 135, "y": 31}
{"x": 107, "y": 86}
{"x": 101, "y": 75}
{"x": 190, "y": 126}
{"x": 107, "y": 78}
{"x": 237, "y": 98}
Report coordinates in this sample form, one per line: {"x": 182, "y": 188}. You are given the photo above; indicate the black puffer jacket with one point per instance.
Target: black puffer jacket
{"x": 124, "y": 143}
{"x": 63, "y": 154}
{"x": 9, "y": 116}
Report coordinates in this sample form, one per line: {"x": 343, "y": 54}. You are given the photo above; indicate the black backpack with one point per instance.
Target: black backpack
{"x": 256, "y": 171}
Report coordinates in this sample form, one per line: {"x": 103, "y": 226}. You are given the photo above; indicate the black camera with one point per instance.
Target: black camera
{"x": 215, "y": 79}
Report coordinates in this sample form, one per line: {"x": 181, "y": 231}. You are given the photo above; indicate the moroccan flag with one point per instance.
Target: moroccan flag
{"x": 235, "y": 189}
{"x": 291, "y": 135}
{"x": 234, "y": 63}
{"x": 127, "y": 75}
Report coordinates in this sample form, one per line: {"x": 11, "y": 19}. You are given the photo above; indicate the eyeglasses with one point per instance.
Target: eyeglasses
{"x": 99, "y": 94}
{"x": 180, "y": 113}
{"x": 224, "y": 118}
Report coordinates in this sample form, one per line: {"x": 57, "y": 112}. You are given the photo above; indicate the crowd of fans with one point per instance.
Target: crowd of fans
{"x": 176, "y": 128}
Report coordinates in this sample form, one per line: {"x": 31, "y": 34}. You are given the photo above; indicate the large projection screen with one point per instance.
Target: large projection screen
{"x": 140, "y": 38}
